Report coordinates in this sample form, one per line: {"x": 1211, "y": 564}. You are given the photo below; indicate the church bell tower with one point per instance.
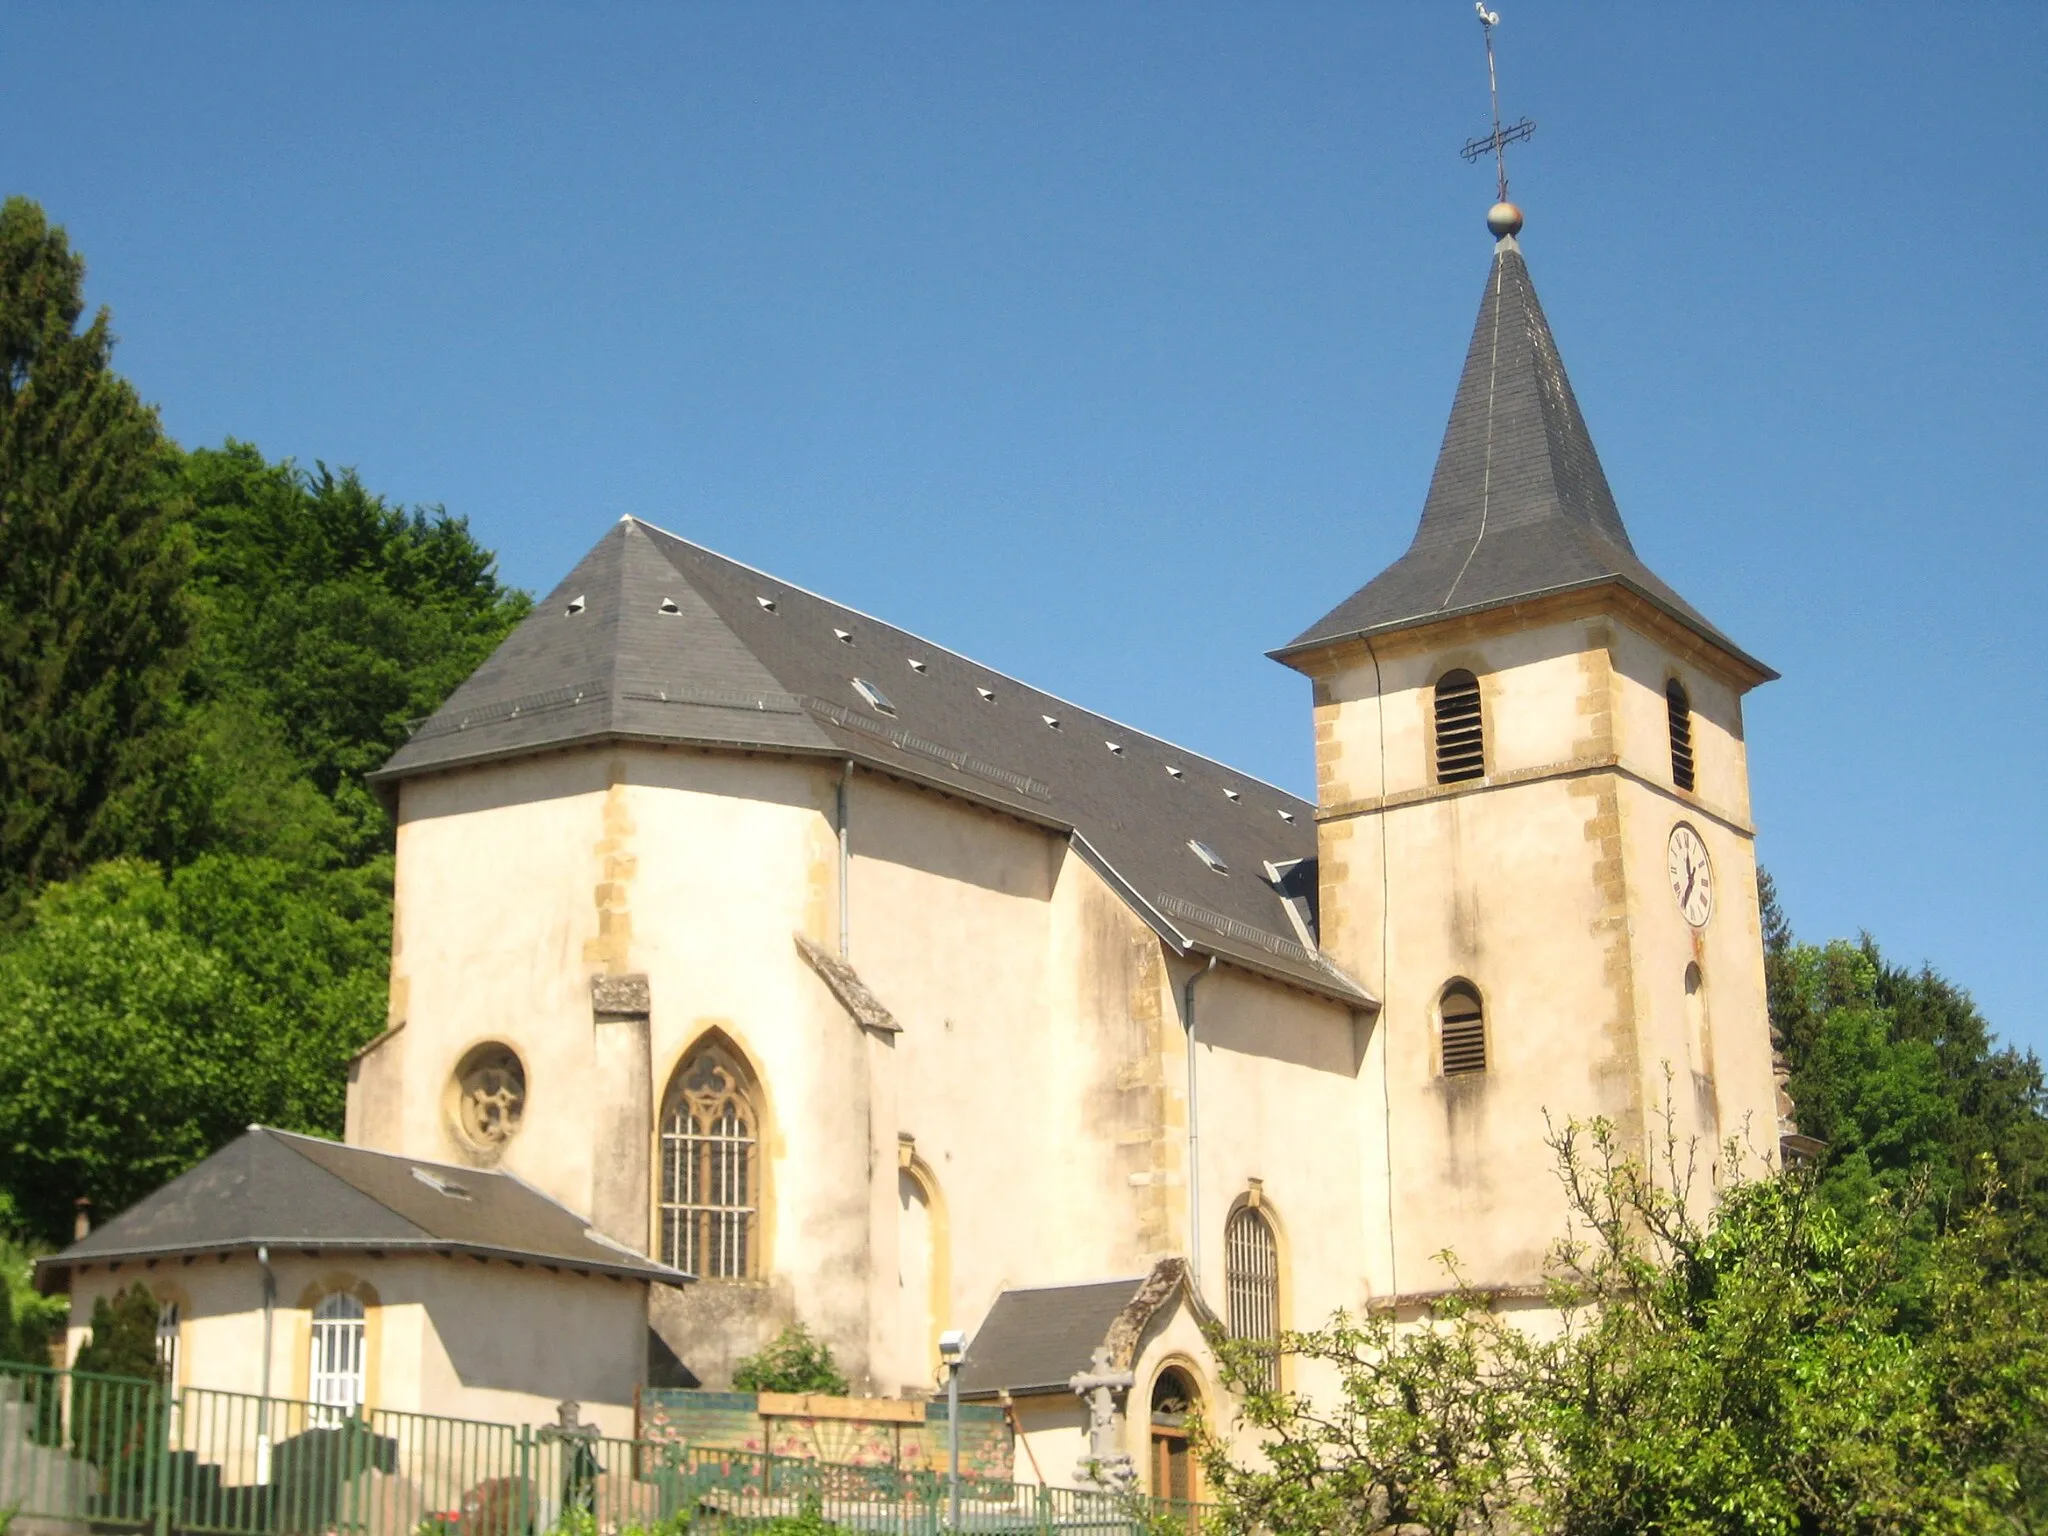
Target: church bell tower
{"x": 1534, "y": 827}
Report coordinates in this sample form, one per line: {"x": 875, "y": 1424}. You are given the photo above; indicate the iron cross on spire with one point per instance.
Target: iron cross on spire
{"x": 1495, "y": 143}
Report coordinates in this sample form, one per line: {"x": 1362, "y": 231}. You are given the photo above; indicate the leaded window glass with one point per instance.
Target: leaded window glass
{"x": 710, "y": 1198}
{"x": 1251, "y": 1281}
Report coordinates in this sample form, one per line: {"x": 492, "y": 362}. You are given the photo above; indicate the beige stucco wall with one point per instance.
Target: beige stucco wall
{"x": 1036, "y": 1086}
{"x": 449, "y": 1336}
{"x": 1545, "y": 886}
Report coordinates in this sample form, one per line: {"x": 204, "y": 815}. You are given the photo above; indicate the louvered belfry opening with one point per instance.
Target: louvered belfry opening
{"x": 1464, "y": 1030}
{"x": 1681, "y": 733}
{"x": 1460, "y": 738}
{"x": 1251, "y": 1282}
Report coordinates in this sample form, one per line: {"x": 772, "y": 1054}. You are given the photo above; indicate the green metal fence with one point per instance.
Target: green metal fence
{"x": 83, "y": 1454}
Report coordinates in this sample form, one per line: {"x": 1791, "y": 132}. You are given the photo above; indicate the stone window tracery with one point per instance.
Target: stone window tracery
{"x": 489, "y": 1097}
{"x": 710, "y": 1175}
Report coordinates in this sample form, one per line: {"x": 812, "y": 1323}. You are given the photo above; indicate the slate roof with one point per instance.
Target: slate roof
{"x": 1035, "y": 1340}
{"x": 285, "y": 1191}
{"x": 653, "y": 638}
{"x": 1519, "y": 505}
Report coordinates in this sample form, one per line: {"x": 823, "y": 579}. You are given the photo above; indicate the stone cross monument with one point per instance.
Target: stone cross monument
{"x": 1097, "y": 1386}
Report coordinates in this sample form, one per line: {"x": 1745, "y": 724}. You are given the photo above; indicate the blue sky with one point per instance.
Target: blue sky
{"x": 1112, "y": 343}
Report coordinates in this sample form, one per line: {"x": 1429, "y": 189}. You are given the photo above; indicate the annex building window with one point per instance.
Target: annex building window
{"x": 1460, "y": 735}
{"x": 1251, "y": 1281}
{"x": 710, "y": 1174}
{"x": 335, "y": 1379}
{"x": 1464, "y": 1029}
{"x": 1679, "y": 707}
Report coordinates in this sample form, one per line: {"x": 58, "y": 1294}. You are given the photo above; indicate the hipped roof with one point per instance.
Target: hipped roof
{"x": 652, "y": 638}
{"x": 284, "y": 1191}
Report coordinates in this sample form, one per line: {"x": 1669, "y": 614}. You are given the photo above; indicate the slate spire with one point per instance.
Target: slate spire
{"x": 1519, "y": 505}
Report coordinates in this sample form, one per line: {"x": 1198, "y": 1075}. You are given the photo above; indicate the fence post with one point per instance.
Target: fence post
{"x": 160, "y": 1460}
{"x": 522, "y": 1516}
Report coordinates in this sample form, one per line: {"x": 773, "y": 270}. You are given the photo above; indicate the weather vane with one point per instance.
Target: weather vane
{"x": 1503, "y": 218}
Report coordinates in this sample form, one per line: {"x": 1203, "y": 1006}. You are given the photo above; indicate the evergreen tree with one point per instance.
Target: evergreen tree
{"x": 94, "y": 622}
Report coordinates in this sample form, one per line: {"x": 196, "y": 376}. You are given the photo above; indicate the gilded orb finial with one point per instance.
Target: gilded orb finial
{"x": 1504, "y": 219}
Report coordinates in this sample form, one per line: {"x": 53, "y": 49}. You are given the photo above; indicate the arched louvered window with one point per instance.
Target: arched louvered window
{"x": 1463, "y": 1030}
{"x": 1460, "y": 737}
{"x": 710, "y": 1174}
{"x": 1680, "y": 708}
{"x": 1251, "y": 1281}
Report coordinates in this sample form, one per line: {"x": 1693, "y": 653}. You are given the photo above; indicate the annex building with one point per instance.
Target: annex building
{"x": 818, "y": 972}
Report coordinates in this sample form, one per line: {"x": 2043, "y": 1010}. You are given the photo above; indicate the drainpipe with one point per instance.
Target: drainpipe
{"x": 263, "y": 1402}
{"x": 1194, "y": 1130}
{"x": 845, "y": 856}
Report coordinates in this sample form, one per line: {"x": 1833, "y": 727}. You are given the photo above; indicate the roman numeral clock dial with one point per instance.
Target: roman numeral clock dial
{"x": 1692, "y": 875}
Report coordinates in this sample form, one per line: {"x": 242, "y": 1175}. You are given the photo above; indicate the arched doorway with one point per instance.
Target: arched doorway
{"x": 1174, "y": 1399}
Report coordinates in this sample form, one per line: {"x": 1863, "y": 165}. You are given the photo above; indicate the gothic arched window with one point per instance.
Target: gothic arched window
{"x": 1680, "y": 709}
{"x": 335, "y": 1377}
{"x": 1460, "y": 734}
{"x": 1251, "y": 1281}
{"x": 1464, "y": 1029}
{"x": 710, "y": 1178}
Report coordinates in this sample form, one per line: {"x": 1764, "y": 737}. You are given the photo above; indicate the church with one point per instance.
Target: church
{"x": 830, "y": 976}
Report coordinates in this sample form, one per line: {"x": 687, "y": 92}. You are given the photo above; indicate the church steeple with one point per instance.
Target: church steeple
{"x": 1519, "y": 505}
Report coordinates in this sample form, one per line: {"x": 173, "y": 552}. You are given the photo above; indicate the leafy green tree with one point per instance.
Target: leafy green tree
{"x": 796, "y": 1360}
{"x": 29, "y": 1323}
{"x": 123, "y": 1341}
{"x": 330, "y": 620}
{"x": 145, "y": 1020}
{"x": 1897, "y": 1071}
{"x": 94, "y": 621}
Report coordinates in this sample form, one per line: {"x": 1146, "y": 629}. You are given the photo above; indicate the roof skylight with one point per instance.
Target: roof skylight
{"x": 1208, "y": 856}
{"x": 440, "y": 1185}
{"x": 873, "y": 695}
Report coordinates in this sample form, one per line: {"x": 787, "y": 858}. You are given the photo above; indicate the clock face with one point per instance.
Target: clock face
{"x": 1692, "y": 875}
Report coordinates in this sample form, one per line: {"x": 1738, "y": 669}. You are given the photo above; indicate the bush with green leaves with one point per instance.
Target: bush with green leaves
{"x": 796, "y": 1360}
{"x": 1768, "y": 1368}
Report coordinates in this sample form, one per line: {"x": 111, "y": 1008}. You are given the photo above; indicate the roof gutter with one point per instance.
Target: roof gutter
{"x": 53, "y": 1274}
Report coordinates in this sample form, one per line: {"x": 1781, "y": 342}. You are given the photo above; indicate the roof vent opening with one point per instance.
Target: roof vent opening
{"x": 987, "y": 694}
{"x": 767, "y": 604}
{"x": 1115, "y": 746}
{"x": 440, "y": 1185}
{"x": 873, "y": 695}
{"x": 1208, "y": 856}
{"x": 1288, "y": 817}
{"x": 1232, "y": 796}
{"x": 575, "y": 606}
{"x": 919, "y": 667}
{"x": 1174, "y": 773}
{"x": 670, "y": 606}
{"x": 1051, "y": 720}
{"x": 845, "y": 636}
